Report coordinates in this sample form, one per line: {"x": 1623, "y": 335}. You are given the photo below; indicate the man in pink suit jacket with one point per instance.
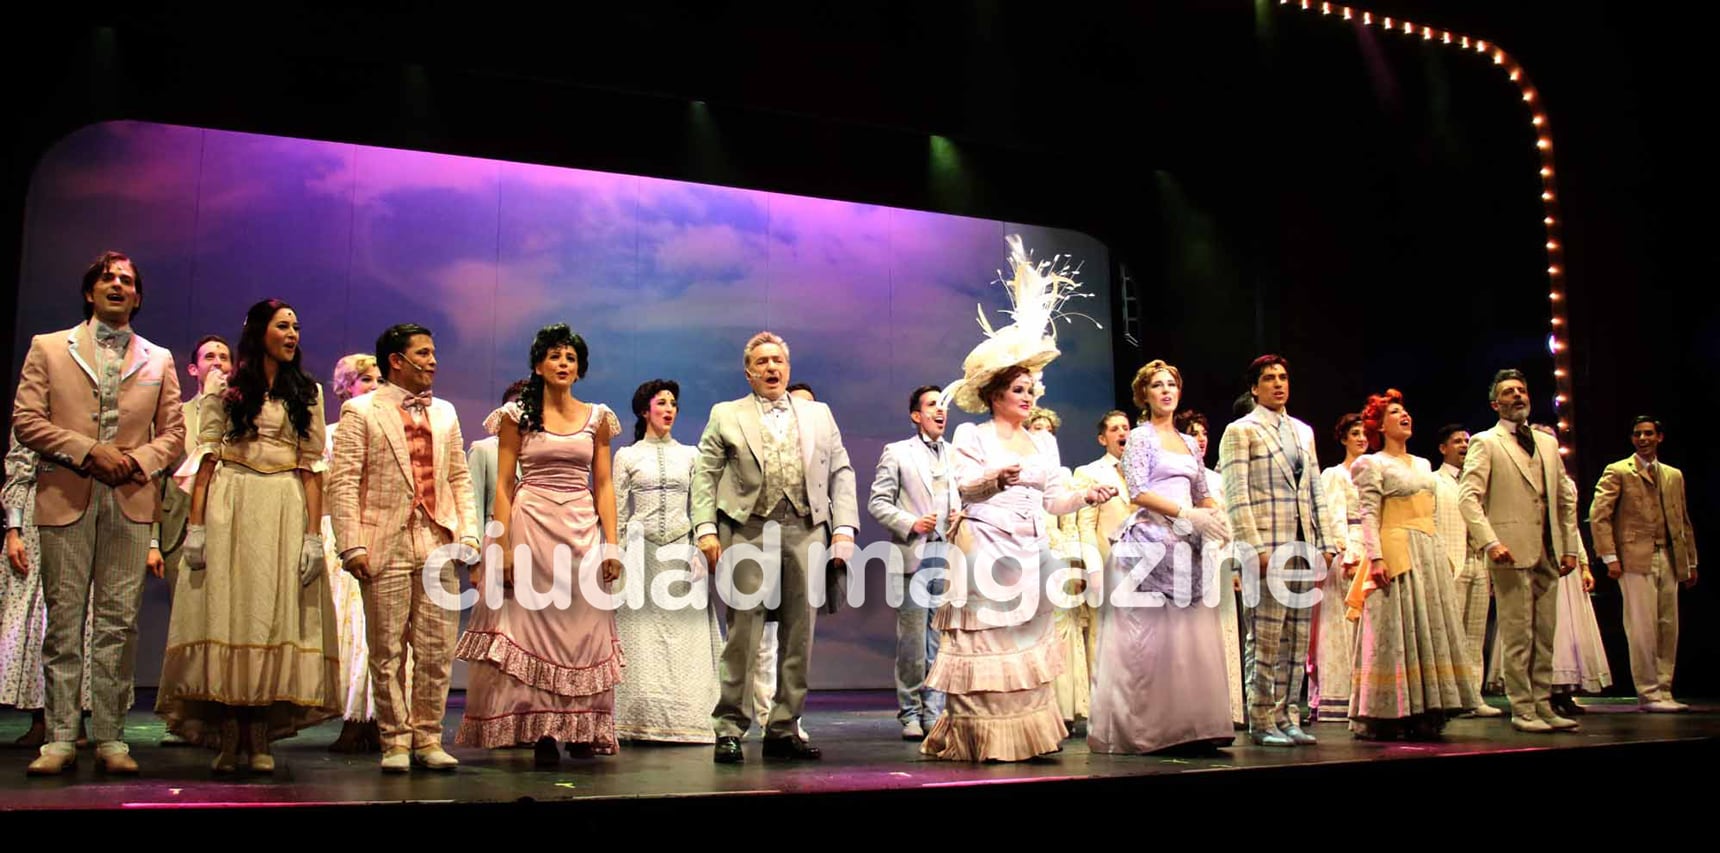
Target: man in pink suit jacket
{"x": 101, "y": 405}
{"x": 399, "y": 493}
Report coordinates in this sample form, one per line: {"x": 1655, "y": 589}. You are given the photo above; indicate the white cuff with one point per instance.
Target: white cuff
{"x": 703, "y": 530}
{"x": 1609, "y": 559}
{"x": 15, "y": 518}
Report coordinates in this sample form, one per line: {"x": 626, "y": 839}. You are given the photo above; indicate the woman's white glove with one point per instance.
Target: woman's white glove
{"x": 195, "y": 538}
{"x": 312, "y": 562}
{"x": 1211, "y": 524}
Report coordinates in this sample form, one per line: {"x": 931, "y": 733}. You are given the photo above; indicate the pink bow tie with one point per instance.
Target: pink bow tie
{"x": 416, "y": 401}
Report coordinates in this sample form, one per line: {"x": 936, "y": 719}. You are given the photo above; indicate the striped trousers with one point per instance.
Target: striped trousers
{"x": 94, "y": 566}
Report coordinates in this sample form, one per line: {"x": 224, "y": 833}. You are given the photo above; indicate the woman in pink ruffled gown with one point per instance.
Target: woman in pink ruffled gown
{"x": 546, "y": 675}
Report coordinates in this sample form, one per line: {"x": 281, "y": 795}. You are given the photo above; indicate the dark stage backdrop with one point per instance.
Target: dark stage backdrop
{"x": 662, "y": 278}
{"x": 1373, "y": 212}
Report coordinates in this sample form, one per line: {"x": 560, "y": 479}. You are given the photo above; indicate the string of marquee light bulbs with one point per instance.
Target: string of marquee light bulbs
{"x": 1558, "y": 341}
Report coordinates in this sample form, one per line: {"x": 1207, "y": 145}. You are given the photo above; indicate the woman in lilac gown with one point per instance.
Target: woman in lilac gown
{"x": 1160, "y": 681}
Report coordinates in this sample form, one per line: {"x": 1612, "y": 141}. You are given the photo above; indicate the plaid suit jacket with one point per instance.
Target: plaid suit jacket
{"x": 1266, "y": 502}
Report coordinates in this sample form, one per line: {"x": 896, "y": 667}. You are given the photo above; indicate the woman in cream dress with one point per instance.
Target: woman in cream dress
{"x": 252, "y": 653}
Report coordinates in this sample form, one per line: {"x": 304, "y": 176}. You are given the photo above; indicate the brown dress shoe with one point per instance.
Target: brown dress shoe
{"x": 116, "y": 760}
{"x": 53, "y": 761}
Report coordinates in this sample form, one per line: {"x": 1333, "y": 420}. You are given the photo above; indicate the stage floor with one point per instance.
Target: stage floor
{"x": 863, "y": 752}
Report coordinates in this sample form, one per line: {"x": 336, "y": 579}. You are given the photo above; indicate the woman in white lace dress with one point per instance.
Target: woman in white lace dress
{"x": 354, "y": 375}
{"x": 672, "y": 641}
{"x": 23, "y": 610}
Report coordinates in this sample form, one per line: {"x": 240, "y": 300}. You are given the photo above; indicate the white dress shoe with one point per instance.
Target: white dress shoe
{"x": 434, "y": 758}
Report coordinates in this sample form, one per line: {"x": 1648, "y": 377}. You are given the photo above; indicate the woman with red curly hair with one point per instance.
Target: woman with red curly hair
{"x": 1411, "y": 674}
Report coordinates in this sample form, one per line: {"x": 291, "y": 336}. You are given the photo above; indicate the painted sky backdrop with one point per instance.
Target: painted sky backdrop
{"x": 662, "y": 278}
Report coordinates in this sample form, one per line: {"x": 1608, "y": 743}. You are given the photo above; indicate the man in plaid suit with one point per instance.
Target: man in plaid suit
{"x": 399, "y": 493}
{"x": 1272, "y": 492}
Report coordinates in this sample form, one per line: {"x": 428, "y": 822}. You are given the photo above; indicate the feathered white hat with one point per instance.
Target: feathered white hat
{"x": 1037, "y": 292}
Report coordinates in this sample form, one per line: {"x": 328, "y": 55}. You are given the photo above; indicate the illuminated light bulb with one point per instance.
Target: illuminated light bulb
{"x": 1499, "y": 57}
{"x": 1546, "y": 196}
{"x": 1553, "y": 296}
{"x": 1480, "y": 46}
{"x": 1445, "y": 37}
{"x": 1408, "y": 28}
{"x": 1368, "y": 18}
{"x": 1543, "y": 143}
{"x": 1325, "y": 8}
{"x": 1553, "y": 270}
{"x": 1564, "y": 451}
{"x": 1557, "y": 321}
{"x": 1516, "y": 75}
{"x": 1548, "y": 220}
{"x": 1538, "y": 120}
{"x": 1347, "y": 15}
{"x": 1563, "y": 424}
{"x": 1546, "y": 172}
{"x": 1465, "y": 42}
{"x": 1552, "y": 245}
{"x": 1426, "y": 33}
{"x": 1387, "y": 22}
{"x": 1559, "y": 399}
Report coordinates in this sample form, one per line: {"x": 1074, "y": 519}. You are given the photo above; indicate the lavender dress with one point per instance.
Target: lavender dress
{"x": 549, "y": 672}
{"x": 1160, "y": 680}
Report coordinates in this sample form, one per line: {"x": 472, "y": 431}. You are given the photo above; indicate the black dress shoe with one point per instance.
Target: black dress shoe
{"x": 729, "y": 750}
{"x": 791, "y": 748}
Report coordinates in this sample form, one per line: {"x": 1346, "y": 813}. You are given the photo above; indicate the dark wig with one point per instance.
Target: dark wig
{"x": 245, "y": 392}
{"x": 642, "y": 397}
{"x": 548, "y": 338}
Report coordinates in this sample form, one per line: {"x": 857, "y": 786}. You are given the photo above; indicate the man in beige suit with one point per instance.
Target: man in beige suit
{"x": 101, "y": 406}
{"x": 765, "y": 459}
{"x": 399, "y": 491}
{"x": 1642, "y": 532}
{"x": 1516, "y": 504}
{"x": 211, "y": 362}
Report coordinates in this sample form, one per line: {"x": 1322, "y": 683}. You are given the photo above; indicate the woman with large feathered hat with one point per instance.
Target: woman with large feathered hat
{"x": 998, "y": 652}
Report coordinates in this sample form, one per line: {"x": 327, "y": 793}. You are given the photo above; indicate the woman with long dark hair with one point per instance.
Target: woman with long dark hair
{"x": 671, "y": 683}
{"x": 547, "y": 676}
{"x": 252, "y": 653}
